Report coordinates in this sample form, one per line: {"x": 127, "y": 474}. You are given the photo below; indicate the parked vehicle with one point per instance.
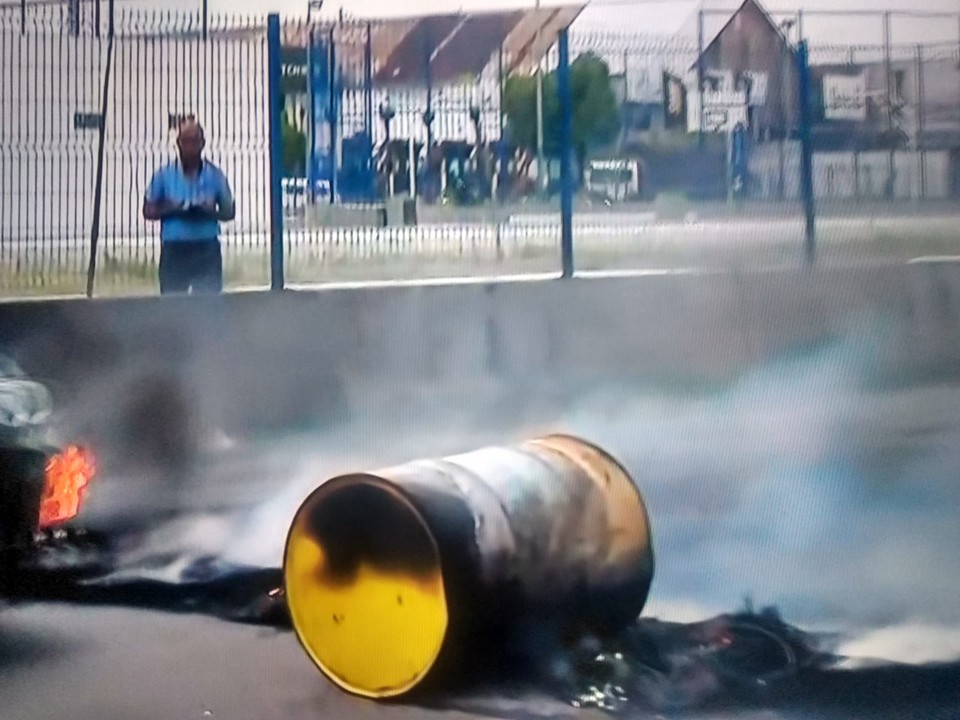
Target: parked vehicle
{"x": 42, "y": 482}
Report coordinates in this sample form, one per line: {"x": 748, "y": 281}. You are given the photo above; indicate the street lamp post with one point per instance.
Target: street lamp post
{"x": 387, "y": 113}
{"x": 475, "y": 119}
{"x": 480, "y": 158}
{"x": 428, "y": 117}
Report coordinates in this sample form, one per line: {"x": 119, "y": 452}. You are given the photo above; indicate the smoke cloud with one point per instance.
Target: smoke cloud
{"x": 814, "y": 483}
{"x": 823, "y": 483}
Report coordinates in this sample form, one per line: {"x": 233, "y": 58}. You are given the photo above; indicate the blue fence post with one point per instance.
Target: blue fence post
{"x": 566, "y": 150}
{"x": 806, "y": 150}
{"x": 334, "y": 114}
{"x": 311, "y": 119}
{"x": 276, "y": 152}
{"x": 502, "y": 145}
{"x": 369, "y": 165}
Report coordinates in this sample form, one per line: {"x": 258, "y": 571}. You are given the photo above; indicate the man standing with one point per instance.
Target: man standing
{"x": 190, "y": 198}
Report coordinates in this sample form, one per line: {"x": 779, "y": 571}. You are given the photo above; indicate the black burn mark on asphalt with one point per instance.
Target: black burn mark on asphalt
{"x": 82, "y": 568}
{"x": 739, "y": 663}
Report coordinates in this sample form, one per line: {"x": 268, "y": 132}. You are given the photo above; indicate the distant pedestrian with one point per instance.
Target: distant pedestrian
{"x": 190, "y": 198}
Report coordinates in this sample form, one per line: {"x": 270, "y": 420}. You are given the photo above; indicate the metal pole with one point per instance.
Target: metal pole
{"x": 111, "y": 11}
{"x": 566, "y": 150}
{"x": 428, "y": 115}
{"x": 542, "y": 175}
{"x": 98, "y": 187}
{"x": 276, "y": 152}
{"x": 334, "y": 117}
{"x": 368, "y": 109}
{"x": 888, "y": 72}
{"x": 429, "y": 77}
{"x": 411, "y": 168}
{"x": 311, "y": 113}
{"x": 23, "y": 17}
{"x": 806, "y": 157}
{"x": 74, "y": 17}
{"x": 501, "y": 146}
{"x": 921, "y": 122}
{"x": 700, "y": 41}
{"x": 206, "y": 19}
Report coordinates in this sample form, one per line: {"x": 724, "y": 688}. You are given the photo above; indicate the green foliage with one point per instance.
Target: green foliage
{"x": 596, "y": 118}
{"x": 294, "y": 144}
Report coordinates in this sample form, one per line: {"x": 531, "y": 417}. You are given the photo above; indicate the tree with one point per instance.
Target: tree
{"x": 596, "y": 119}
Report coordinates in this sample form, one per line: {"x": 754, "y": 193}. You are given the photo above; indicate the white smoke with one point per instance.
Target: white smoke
{"x": 809, "y": 484}
{"x": 812, "y": 482}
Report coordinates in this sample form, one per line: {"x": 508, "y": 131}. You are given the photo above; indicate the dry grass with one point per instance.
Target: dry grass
{"x": 245, "y": 268}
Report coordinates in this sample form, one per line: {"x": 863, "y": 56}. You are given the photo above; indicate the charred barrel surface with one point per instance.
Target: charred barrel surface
{"x": 395, "y": 575}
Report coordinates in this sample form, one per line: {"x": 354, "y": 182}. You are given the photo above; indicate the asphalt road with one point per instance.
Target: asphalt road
{"x": 59, "y": 663}
{"x": 823, "y": 483}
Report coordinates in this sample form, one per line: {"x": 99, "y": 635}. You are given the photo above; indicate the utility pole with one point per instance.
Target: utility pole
{"x": 542, "y": 175}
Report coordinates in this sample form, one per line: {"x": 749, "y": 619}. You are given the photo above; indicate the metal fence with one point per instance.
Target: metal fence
{"x": 428, "y": 147}
{"x": 63, "y": 117}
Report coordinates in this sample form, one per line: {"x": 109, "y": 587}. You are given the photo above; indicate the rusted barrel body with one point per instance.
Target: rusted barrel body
{"x": 394, "y": 576}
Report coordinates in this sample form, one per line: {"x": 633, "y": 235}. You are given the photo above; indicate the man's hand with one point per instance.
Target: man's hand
{"x": 208, "y": 208}
{"x": 163, "y": 209}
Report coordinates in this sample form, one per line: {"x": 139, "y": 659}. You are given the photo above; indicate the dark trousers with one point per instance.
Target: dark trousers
{"x": 195, "y": 265}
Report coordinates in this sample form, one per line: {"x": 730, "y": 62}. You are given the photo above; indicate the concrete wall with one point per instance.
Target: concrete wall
{"x": 255, "y": 362}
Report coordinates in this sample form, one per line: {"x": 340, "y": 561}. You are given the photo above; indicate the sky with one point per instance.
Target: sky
{"x": 408, "y": 7}
{"x": 818, "y": 29}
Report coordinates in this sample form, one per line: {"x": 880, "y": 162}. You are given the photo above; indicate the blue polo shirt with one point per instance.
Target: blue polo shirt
{"x": 170, "y": 183}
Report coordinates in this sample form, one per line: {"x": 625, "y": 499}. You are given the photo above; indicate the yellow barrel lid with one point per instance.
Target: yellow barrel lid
{"x": 364, "y": 586}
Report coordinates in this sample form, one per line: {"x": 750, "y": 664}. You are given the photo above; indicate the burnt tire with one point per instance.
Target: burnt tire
{"x": 21, "y": 487}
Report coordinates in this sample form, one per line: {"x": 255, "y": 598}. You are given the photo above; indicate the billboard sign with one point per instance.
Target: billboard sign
{"x": 293, "y": 70}
{"x": 845, "y": 97}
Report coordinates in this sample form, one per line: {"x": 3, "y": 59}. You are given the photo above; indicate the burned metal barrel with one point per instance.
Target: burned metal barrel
{"x": 398, "y": 577}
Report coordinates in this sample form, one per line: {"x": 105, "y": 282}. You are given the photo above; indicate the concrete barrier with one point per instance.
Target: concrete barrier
{"x": 154, "y": 371}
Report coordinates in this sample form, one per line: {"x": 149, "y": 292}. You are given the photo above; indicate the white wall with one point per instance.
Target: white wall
{"x": 848, "y": 175}
{"x": 48, "y": 168}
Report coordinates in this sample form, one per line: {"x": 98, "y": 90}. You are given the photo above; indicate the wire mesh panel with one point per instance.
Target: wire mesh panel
{"x": 410, "y": 171}
{"x": 53, "y": 104}
{"x": 50, "y": 101}
{"x": 166, "y": 72}
{"x": 707, "y": 167}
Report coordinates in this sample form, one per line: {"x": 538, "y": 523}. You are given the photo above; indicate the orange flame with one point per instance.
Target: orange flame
{"x": 67, "y": 475}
